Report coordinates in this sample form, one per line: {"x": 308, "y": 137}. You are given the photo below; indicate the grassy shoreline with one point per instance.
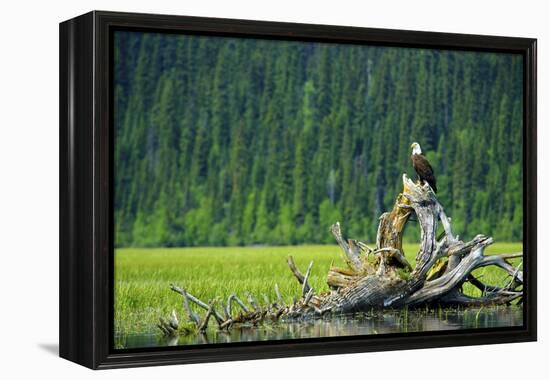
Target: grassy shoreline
{"x": 142, "y": 276}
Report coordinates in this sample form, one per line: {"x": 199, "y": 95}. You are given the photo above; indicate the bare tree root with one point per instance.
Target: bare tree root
{"x": 374, "y": 277}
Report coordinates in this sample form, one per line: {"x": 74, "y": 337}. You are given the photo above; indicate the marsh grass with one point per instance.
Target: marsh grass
{"x": 142, "y": 276}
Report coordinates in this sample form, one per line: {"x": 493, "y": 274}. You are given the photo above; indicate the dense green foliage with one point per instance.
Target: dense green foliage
{"x": 142, "y": 276}
{"x": 223, "y": 141}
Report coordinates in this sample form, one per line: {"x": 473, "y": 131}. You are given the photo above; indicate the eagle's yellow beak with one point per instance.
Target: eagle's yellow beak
{"x": 412, "y": 145}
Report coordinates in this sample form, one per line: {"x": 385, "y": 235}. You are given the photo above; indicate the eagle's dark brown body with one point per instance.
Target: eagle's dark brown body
{"x": 424, "y": 170}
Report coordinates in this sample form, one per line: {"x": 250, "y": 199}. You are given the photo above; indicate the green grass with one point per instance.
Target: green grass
{"x": 142, "y": 276}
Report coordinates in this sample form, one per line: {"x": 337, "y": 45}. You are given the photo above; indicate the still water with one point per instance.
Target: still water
{"x": 358, "y": 324}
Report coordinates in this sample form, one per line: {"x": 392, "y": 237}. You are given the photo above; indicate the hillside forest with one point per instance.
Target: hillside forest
{"x": 233, "y": 141}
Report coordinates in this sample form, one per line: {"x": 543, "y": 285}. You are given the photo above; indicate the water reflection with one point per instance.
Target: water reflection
{"x": 359, "y": 324}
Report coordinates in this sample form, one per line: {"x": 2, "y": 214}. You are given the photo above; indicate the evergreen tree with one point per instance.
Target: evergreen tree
{"x": 224, "y": 141}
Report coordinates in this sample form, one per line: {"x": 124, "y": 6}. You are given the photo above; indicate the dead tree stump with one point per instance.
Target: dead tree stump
{"x": 381, "y": 277}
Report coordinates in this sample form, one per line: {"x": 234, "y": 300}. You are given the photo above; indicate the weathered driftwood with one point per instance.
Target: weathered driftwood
{"x": 381, "y": 277}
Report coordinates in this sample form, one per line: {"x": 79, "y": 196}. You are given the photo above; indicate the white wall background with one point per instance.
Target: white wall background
{"x": 29, "y": 186}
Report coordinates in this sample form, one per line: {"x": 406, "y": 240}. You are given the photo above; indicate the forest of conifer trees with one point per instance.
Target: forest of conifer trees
{"x": 225, "y": 141}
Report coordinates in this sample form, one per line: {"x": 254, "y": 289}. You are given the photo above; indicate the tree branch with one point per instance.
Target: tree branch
{"x": 351, "y": 252}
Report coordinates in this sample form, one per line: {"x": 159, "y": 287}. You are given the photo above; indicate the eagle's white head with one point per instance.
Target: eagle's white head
{"x": 416, "y": 148}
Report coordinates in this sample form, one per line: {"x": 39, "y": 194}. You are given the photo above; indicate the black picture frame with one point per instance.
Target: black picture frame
{"x": 86, "y": 217}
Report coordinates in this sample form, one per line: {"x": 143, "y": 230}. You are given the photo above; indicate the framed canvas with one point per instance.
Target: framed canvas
{"x": 234, "y": 189}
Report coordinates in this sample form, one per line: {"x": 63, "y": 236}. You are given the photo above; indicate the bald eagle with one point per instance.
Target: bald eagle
{"x": 422, "y": 167}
